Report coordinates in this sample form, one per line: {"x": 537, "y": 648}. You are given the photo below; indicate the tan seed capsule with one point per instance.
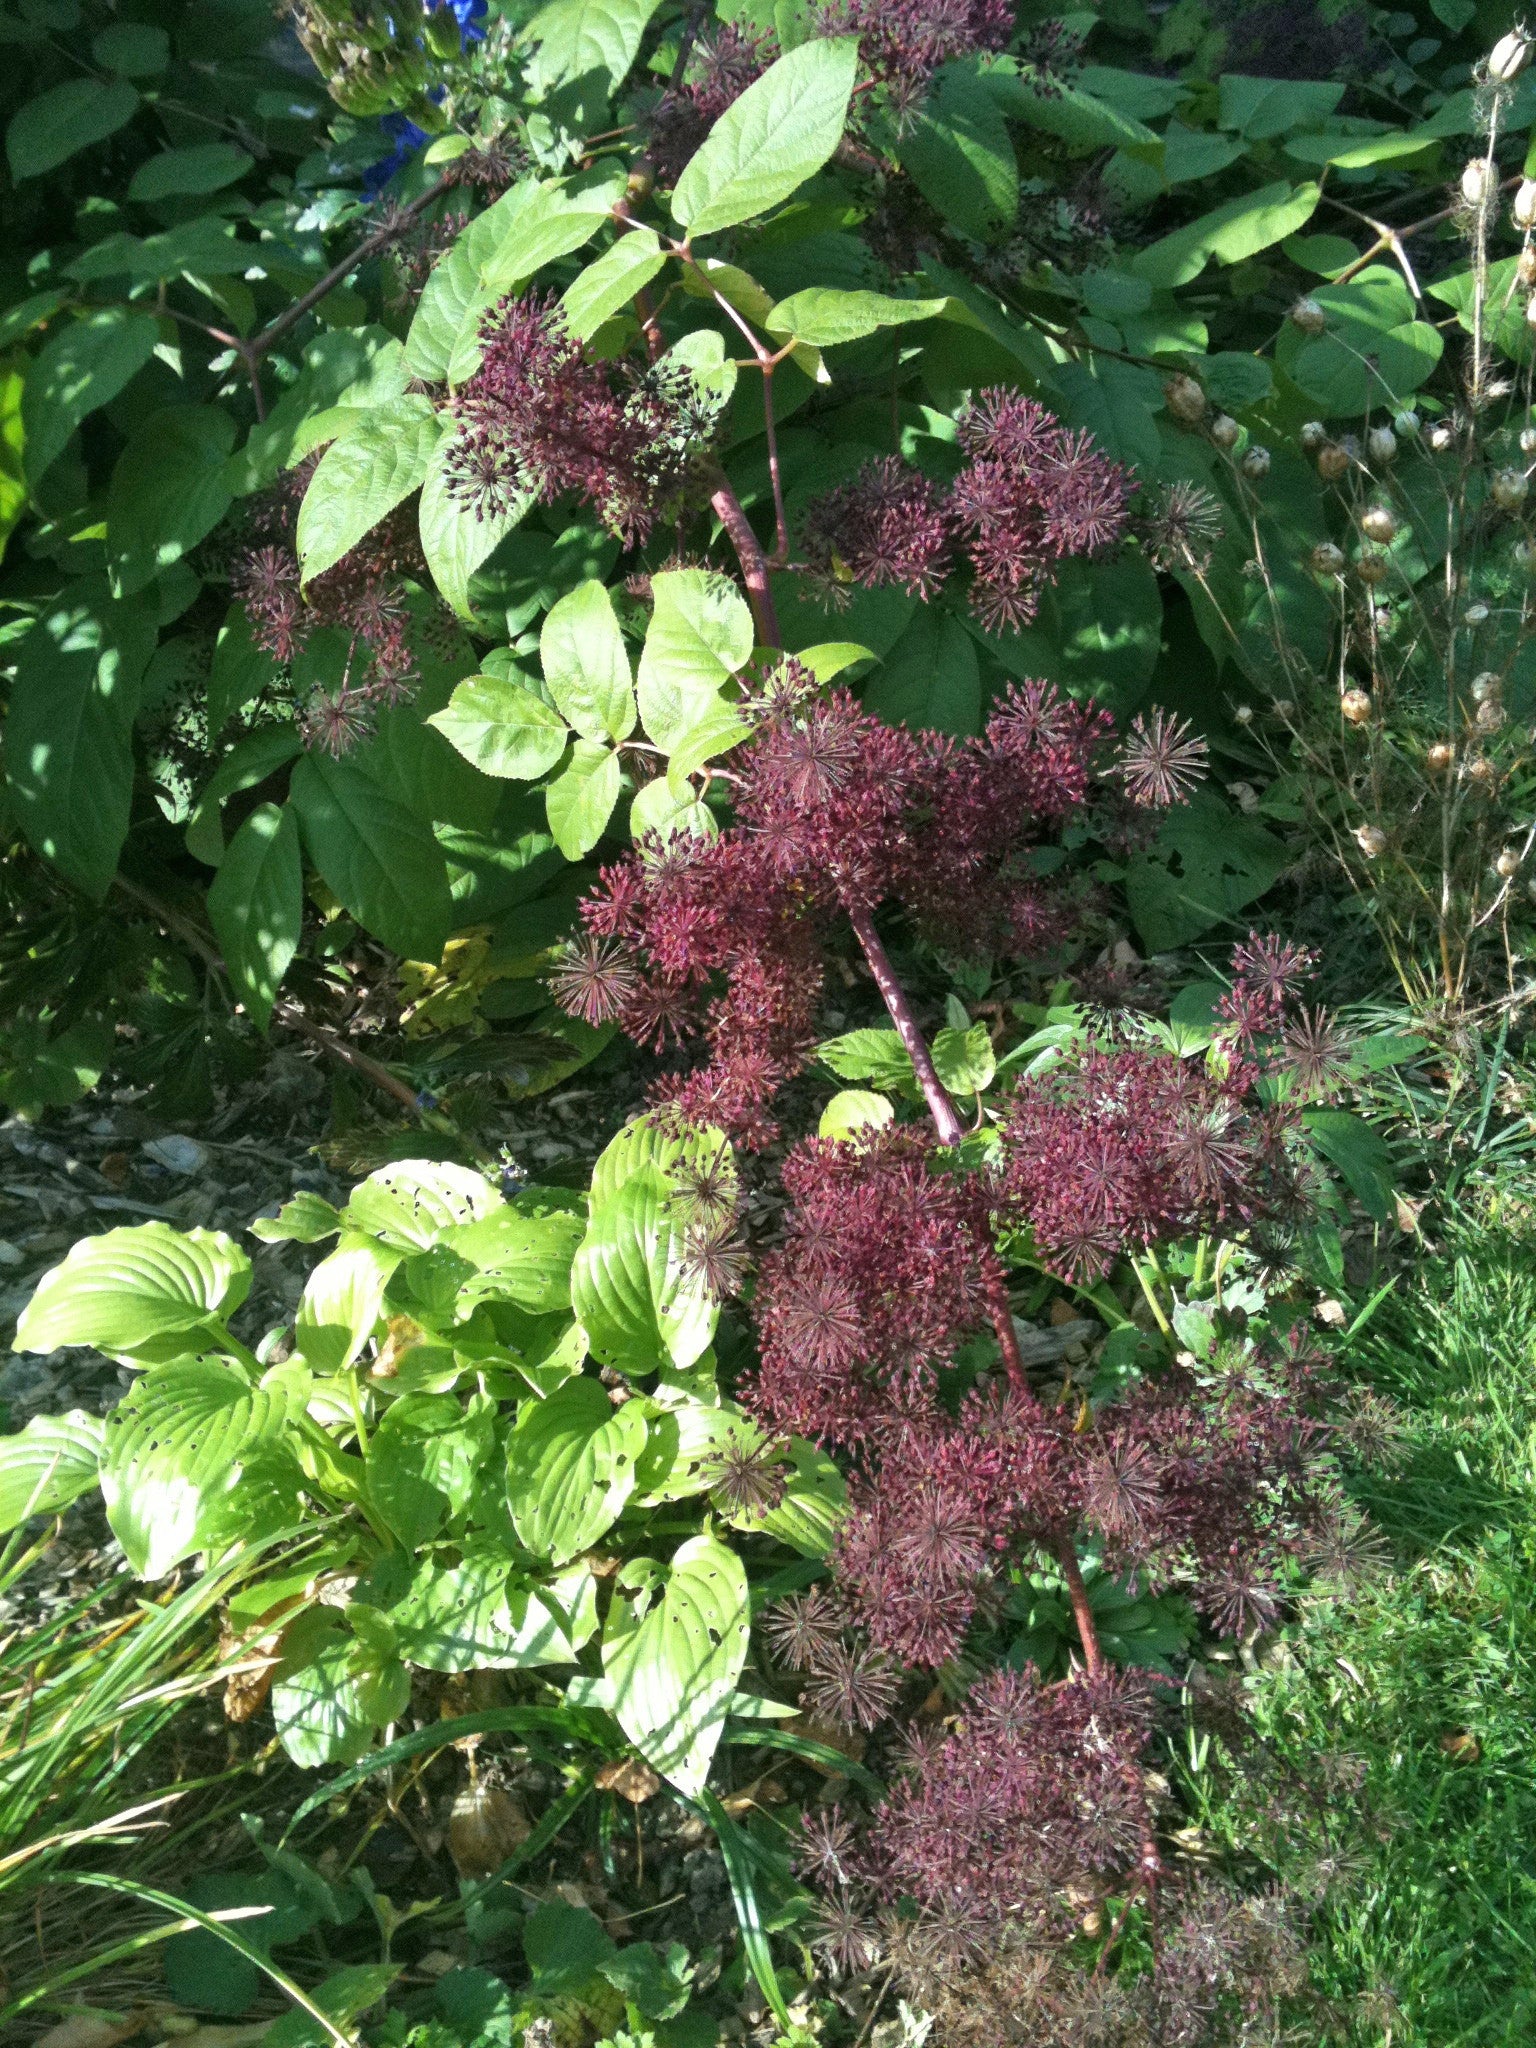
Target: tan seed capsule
{"x": 1332, "y": 461}
{"x": 1283, "y": 708}
{"x": 1480, "y": 770}
{"x": 1442, "y": 437}
{"x": 1224, "y": 430}
{"x": 1255, "y": 464}
{"x": 1442, "y": 755}
{"x": 1184, "y": 399}
{"x": 1475, "y": 182}
{"x": 1509, "y": 57}
{"x": 1491, "y": 716}
{"x": 1356, "y": 706}
{"x": 1525, "y": 270}
{"x": 1381, "y": 444}
{"x": 1371, "y": 840}
{"x": 1525, "y": 556}
{"x": 1474, "y": 616}
{"x": 1243, "y": 715}
{"x": 1510, "y": 489}
{"x": 1485, "y": 686}
{"x": 1312, "y": 437}
{"x": 486, "y": 1826}
{"x": 1523, "y": 206}
{"x": 1528, "y": 440}
{"x": 1508, "y": 863}
{"x": 1407, "y": 424}
{"x": 1372, "y": 568}
{"x": 1327, "y": 560}
{"x": 1309, "y": 316}
{"x": 1378, "y": 524}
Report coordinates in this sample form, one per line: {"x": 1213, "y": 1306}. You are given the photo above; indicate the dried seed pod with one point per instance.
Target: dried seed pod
{"x": 1373, "y": 568}
{"x": 1509, "y": 57}
{"x": 1525, "y": 269}
{"x": 1476, "y": 181}
{"x": 1528, "y": 440}
{"x": 1371, "y": 840}
{"x": 1356, "y": 706}
{"x": 1525, "y": 556}
{"x": 1510, "y": 489}
{"x": 1490, "y": 715}
{"x": 1309, "y": 316}
{"x": 1328, "y": 560}
{"x": 1283, "y": 708}
{"x": 1441, "y": 756}
{"x": 486, "y": 1826}
{"x": 1312, "y": 437}
{"x": 1481, "y": 771}
{"x": 1381, "y": 444}
{"x": 1406, "y": 424}
{"x": 1243, "y": 715}
{"x": 1332, "y": 461}
{"x": 1508, "y": 864}
{"x": 1185, "y": 400}
{"x": 1486, "y": 686}
{"x": 1442, "y": 436}
{"x": 1378, "y": 523}
{"x": 1224, "y": 430}
{"x": 1255, "y": 464}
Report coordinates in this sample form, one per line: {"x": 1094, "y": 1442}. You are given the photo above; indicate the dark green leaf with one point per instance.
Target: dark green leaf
{"x": 83, "y": 365}
{"x": 47, "y": 131}
{"x": 256, "y": 906}
{"x": 378, "y": 857}
{"x": 169, "y": 490}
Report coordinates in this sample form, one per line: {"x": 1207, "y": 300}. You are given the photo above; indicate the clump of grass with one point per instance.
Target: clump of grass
{"x": 1421, "y": 1683}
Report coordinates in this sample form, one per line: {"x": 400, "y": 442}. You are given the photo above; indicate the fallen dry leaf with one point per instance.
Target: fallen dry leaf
{"x": 631, "y": 1777}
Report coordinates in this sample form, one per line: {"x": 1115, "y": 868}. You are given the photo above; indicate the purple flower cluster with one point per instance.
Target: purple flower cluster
{"x": 363, "y": 596}
{"x": 1029, "y": 494}
{"x": 903, "y": 42}
{"x": 720, "y": 68}
{"x": 541, "y": 418}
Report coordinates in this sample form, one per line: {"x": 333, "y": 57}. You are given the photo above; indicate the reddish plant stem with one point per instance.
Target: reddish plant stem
{"x": 770, "y": 430}
{"x": 1082, "y": 1607}
{"x": 946, "y": 1118}
{"x": 754, "y": 563}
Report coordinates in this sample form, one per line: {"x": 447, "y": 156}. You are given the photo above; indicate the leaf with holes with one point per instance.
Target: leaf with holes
{"x": 137, "y": 1293}
{"x": 413, "y": 1203}
{"x": 673, "y": 1649}
{"x": 629, "y": 1288}
{"x": 175, "y": 1443}
{"x": 48, "y": 1464}
{"x": 571, "y": 1467}
{"x": 519, "y": 1258}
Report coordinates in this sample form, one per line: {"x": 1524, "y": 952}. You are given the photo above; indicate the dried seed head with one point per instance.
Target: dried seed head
{"x": 1328, "y": 560}
{"x": 1378, "y": 523}
{"x": 1510, "y": 489}
{"x": 1283, "y": 708}
{"x": 1525, "y": 556}
{"x": 1312, "y": 437}
{"x": 1185, "y": 400}
{"x": 1309, "y": 316}
{"x": 1525, "y": 270}
{"x": 1224, "y": 430}
{"x": 1373, "y": 568}
{"x": 1255, "y": 464}
{"x": 1332, "y": 461}
{"x": 1475, "y": 182}
{"x": 1524, "y": 206}
{"x": 1441, "y": 756}
{"x": 1406, "y": 424}
{"x": 1371, "y": 840}
{"x": 1509, "y": 57}
{"x": 1442, "y": 435}
{"x": 1381, "y": 443}
{"x": 1528, "y": 440}
{"x": 1481, "y": 771}
{"x": 1485, "y": 686}
{"x": 1243, "y": 715}
{"x": 1491, "y": 715}
{"x": 1507, "y": 866}
{"x": 1474, "y": 616}
{"x": 1356, "y": 706}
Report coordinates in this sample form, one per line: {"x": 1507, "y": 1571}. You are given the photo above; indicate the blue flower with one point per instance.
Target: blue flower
{"x": 403, "y": 133}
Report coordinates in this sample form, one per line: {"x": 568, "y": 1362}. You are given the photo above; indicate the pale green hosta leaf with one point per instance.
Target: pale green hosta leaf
{"x": 519, "y": 1258}
{"x": 571, "y": 1467}
{"x": 138, "y": 1293}
{"x": 586, "y": 667}
{"x": 673, "y": 1661}
{"x": 813, "y": 1503}
{"x": 680, "y": 1152}
{"x": 684, "y": 1448}
{"x": 478, "y": 1615}
{"x": 178, "y": 1441}
{"x": 332, "y": 1691}
{"x": 343, "y": 1301}
{"x": 768, "y": 142}
{"x": 629, "y": 1289}
{"x": 412, "y": 1203}
{"x": 48, "y": 1464}
{"x": 502, "y": 727}
{"x": 422, "y": 1460}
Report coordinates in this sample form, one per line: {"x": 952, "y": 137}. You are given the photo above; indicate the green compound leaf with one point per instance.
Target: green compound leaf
{"x": 136, "y": 1293}
{"x": 175, "y": 1443}
{"x": 610, "y": 282}
{"x": 766, "y": 144}
{"x": 571, "y": 1467}
{"x": 48, "y": 1464}
{"x": 193, "y": 172}
{"x": 826, "y": 317}
{"x": 502, "y": 727}
{"x": 673, "y": 1661}
{"x": 256, "y": 907}
{"x": 586, "y": 667}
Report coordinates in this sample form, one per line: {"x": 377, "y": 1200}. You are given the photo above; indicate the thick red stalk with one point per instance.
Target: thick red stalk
{"x": 754, "y": 563}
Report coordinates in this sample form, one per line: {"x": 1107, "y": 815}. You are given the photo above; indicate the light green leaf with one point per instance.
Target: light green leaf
{"x": 362, "y": 478}
{"x": 413, "y": 1204}
{"x": 578, "y": 37}
{"x": 202, "y": 168}
{"x": 586, "y": 668}
{"x": 69, "y": 730}
{"x": 807, "y": 1514}
{"x": 456, "y": 293}
{"x": 681, "y": 1153}
{"x": 169, "y": 490}
{"x": 519, "y": 1258}
{"x": 767, "y": 143}
{"x": 304, "y": 1218}
{"x": 503, "y": 727}
{"x": 175, "y": 1443}
{"x": 137, "y": 1293}
{"x": 673, "y": 1661}
{"x": 571, "y": 1467}
{"x": 581, "y": 798}
{"x": 826, "y": 317}
{"x": 48, "y": 1464}
{"x": 699, "y": 636}
{"x": 965, "y": 1060}
{"x": 869, "y": 1054}
{"x": 666, "y": 807}
{"x": 322, "y": 1704}
{"x": 380, "y": 858}
{"x": 629, "y": 1289}
{"x": 718, "y": 728}
{"x": 456, "y": 540}
{"x": 256, "y": 906}
{"x": 475, "y": 1615}
{"x": 343, "y": 1301}
{"x": 852, "y": 1110}
{"x": 82, "y": 366}
{"x": 421, "y": 1463}
{"x": 554, "y": 220}
{"x": 612, "y": 281}
{"x": 1230, "y": 233}
{"x": 47, "y": 131}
